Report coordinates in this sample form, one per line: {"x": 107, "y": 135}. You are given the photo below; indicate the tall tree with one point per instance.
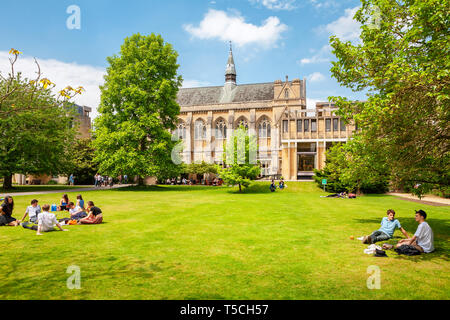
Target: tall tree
{"x": 36, "y": 127}
{"x": 240, "y": 162}
{"x": 138, "y": 109}
{"x": 403, "y": 61}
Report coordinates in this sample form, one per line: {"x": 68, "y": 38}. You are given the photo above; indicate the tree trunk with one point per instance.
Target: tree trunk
{"x": 7, "y": 182}
{"x": 140, "y": 181}
{"x": 240, "y": 189}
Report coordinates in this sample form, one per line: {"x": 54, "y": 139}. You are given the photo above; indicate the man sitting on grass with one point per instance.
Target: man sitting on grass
{"x": 423, "y": 238}
{"x": 76, "y": 212}
{"x": 46, "y": 222}
{"x": 32, "y": 211}
{"x": 388, "y": 226}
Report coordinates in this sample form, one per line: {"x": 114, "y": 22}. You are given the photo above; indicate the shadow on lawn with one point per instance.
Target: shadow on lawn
{"x": 252, "y": 189}
{"x": 440, "y": 229}
{"x": 167, "y": 188}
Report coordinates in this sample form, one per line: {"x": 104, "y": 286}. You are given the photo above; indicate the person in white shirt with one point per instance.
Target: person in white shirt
{"x": 423, "y": 239}
{"x": 32, "y": 211}
{"x": 46, "y": 222}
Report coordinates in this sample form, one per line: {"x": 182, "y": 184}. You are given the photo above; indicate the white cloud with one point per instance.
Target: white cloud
{"x": 324, "y": 4}
{"x": 190, "y": 83}
{"x": 345, "y": 27}
{"x": 232, "y": 26}
{"x": 323, "y": 55}
{"x": 276, "y": 4}
{"x": 316, "y": 77}
{"x": 62, "y": 74}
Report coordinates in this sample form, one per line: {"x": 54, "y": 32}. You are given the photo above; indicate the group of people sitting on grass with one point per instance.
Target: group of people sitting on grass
{"x": 281, "y": 185}
{"x": 43, "y": 219}
{"x": 421, "y": 242}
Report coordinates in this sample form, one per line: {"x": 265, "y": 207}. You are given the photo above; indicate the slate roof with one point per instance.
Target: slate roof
{"x": 223, "y": 94}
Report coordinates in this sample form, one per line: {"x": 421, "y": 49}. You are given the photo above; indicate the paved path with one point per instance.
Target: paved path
{"x": 88, "y": 188}
{"x": 428, "y": 199}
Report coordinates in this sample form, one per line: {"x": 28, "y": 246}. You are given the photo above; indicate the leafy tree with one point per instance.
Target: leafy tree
{"x": 200, "y": 168}
{"x": 403, "y": 62}
{"x": 83, "y": 166}
{"x": 354, "y": 167}
{"x": 138, "y": 109}
{"x": 240, "y": 159}
{"x": 36, "y": 128}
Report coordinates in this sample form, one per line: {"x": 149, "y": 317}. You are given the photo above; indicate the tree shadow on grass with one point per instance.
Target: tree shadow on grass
{"x": 438, "y": 253}
{"x": 252, "y": 189}
{"x": 167, "y": 188}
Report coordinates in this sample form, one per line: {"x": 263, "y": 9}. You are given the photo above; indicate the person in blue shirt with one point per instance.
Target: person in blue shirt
{"x": 388, "y": 226}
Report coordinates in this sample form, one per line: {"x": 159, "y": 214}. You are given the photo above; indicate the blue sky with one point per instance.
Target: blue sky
{"x": 271, "y": 39}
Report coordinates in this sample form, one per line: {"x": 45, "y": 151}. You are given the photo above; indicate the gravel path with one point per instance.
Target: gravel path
{"x": 429, "y": 199}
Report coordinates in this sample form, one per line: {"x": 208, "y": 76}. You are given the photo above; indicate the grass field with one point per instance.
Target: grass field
{"x": 176, "y": 242}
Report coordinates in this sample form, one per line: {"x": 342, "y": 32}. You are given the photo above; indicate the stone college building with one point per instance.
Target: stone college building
{"x": 292, "y": 140}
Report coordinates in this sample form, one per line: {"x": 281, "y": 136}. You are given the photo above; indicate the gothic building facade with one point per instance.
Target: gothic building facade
{"x": 291, "y": 139}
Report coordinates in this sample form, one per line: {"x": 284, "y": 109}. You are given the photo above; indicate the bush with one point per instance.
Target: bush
{"x": 52, "y": 183}
{"x": 347, "y": 170}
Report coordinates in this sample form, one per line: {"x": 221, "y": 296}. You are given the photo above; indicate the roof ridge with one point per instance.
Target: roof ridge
{"x": 238, "y": 85}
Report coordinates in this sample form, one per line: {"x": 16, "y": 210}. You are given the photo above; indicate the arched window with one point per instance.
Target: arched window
{"x": 264, "y": 128}
{"x": 242, "y": 122}
{"x": 221, "y": 129}
{"x": 286, "y": 93}
{"x": 180, "y": 131}
{"x": 199, "y": 130}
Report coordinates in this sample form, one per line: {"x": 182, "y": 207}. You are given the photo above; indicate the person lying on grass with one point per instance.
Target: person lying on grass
{"x": 388, "y": 226}
{"x": 6, "y": 210}
{"x": 46, "y": 222}
{"x": 32, "y": 211}
{"x": 423, "y": 239}
{"x": 95, "y": 215}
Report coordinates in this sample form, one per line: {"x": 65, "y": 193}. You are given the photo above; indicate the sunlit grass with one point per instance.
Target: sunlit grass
{"x": 178, "y": 242}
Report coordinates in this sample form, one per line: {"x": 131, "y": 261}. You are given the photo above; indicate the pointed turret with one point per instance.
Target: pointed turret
{"x": 230, "y": 73}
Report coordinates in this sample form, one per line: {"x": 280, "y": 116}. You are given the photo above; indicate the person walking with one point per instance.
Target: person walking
{"x": 71, "y": 179}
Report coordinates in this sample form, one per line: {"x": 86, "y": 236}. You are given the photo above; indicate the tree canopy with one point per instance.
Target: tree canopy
{"x": 138, "y": 109}
{"x": 402, "y": 60}
{"x": 37, "y": 128}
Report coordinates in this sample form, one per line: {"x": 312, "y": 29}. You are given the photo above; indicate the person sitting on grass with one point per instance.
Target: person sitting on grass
{"x": 273, "y": 187}
{"x": 388, "y": 226}
{"x": 95, "y": 215}
{"x": 423, "y": 238}
{"x": 281, "y": 184}
{"x": 32, "y": 211}
{"x": 80, "y": 202}
{"x": 46, "y": 222}
{"x": 63, "y": 203}
{"x": 6, "y": 210}
{"x": 76, "y": 212}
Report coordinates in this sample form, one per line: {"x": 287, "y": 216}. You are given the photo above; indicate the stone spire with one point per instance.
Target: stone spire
{"x": 230, "y": 73}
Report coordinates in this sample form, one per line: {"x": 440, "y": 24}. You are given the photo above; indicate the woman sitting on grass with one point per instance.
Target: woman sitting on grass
{"x": 6, "y": 210}
{"x": 80, "y": 202}
{"x": 63, "y": 203}
{"x": 95, "y": 215}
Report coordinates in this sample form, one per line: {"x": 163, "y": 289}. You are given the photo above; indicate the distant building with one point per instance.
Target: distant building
{"x": 292, "y": 140}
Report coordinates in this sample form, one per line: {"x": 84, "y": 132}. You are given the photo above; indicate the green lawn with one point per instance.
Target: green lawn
{"x": 37, "y": 188}
{"x": 176, "y": 242}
